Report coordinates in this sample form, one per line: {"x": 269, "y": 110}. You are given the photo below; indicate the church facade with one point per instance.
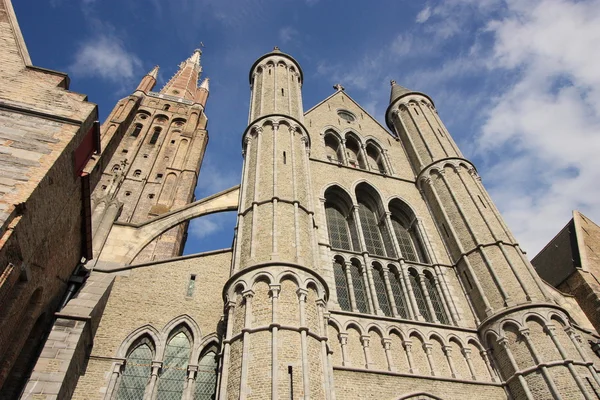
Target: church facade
{"x": 368, "y": 262}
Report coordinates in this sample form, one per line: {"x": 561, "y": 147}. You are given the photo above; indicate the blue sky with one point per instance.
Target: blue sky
{"x": 517, "y": 82}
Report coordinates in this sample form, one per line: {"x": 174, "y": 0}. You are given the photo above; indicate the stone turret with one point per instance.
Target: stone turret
{"x": 503, "y": 287}
{"x": 275, "y": 340}
{"x": 148, "y": 81}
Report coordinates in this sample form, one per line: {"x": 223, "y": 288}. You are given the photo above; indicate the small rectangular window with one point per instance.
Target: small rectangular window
{"x": 284, "y": 158}
{"x": 158, "y": 176}
{"x": 282, "y": 92}
{"x": 154, "y": 137}
{"x": 191, "y": 285}
{"x": 125, "y": 151}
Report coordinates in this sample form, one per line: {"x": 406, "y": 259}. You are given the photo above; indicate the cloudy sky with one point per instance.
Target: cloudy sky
{"x": 516, "y": 81}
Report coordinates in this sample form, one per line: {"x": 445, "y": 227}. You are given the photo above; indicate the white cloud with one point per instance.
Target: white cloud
{"x": 286, "y": 34}
{"x": 205, "y": 226}
{"x": 424, "y": 15}
{"x": 105, "y": 56}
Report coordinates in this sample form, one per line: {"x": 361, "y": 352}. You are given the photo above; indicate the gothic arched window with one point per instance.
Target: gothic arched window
{"x": 415, "y": 282}
{"x": 174, "y": 369}
{"x": 206, "y": 378}
{"x": 360, "y": 296}
{"x": 381, "y": 290}
{"x": 137, "y": 371}
{"x": 436, "y": 299}
{"x": 340, "y": 221}
{"x": 333, "y": 148}
{"x": 375, "y": 157}
{"x": 398, "y": 292}
{"x": 353, "y": 151}
{"x": 405, "y": 229}
{"x": 341, "y": 285}
{"x": 375, "y": 232}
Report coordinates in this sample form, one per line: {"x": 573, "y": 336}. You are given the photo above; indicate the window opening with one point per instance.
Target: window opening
{"x": 284, "y": 158}
{"x": 155, "y": 136}
{"x": 206, "y": 378}
{"x": 338, "y": 228}
{"x": 172, "y": 141}
{"x": 151, "y": 196}
{"x": 370, "y": 228}
{"x": 398, "y": 293}
{"x": 359, "y": 289}
{"x": 481, "y": 200}
{"x": 191, "y": 285}
{"x": 145, "y": 155}
{"x": 137, "y": 173}
{"x": 125, "y": 151}
{"x": 291, "y": 375}
{"x": 166, "y": 107}
{"x": 282, "y": 92}
{"x": 381, "y": 291}
{"x": 136, "y": 130}
{"x": 174, "y": 369}
{"x": 341, "y": 286}
{"x": 440, "y": 132}
{"x": 436, "y": 300}
{"x": 136, "y": 373}
{"x": 159, "y": 176}
{"x": 127, "y": 193}
{"x": 445, "y": 230}
{"x": 415, "y": 282}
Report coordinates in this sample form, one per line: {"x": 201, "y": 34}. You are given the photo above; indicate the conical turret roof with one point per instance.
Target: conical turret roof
{"x": 397, "y": 91}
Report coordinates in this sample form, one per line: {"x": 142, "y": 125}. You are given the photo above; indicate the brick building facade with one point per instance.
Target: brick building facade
{"x": 367, "y": 263}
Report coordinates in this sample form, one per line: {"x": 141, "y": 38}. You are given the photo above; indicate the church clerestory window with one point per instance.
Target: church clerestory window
{"x": 341, "y": 285}
{"x": 206, "y": 378}
{"x": 174, "y": 369}
{"x": 136, "y": 373}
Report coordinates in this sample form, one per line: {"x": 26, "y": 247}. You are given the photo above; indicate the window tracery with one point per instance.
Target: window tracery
{"x": 136, "y": 372}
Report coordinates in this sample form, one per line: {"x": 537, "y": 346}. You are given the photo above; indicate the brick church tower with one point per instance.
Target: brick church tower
{"x": 155, "y": 166}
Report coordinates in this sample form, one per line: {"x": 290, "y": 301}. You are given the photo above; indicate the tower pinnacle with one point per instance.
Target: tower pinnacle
{"x": 185, "y": 81}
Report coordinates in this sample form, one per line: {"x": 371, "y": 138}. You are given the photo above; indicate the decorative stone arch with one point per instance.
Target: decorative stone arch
{"x": 118, "y": 252}
{"x": 415, "y": 332}
{"x": 375, "y": 327}
{"x": 160, "y": 116}
{"x": 239, "y": 286}
{"x": 143, "y": 331}
{"x": 262, "y": 276}
{"x": 529, "y": 315}
{"x": 436, "y": 336}
{"x": 289, "y": 275}
{"x": 311, "y": 282}
{"x": 418, "y": 396}
{"x": 182, "y": 326}
{"x": 204, "y": 345}
{"x": 510, "y": 321}
{"x": 451, "y": 337}
{"x": 353, "y": 324}
{"x": 336, "y": 324}
{"x": 397, "y": 330}
{"x": 554, "y": 315}
{"x": 186, "y": 321}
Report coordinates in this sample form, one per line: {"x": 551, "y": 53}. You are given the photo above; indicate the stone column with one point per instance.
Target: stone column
{"x": 388, "y": 290}
{"x": 248, "y": 294}
{"x": 275, "y": 290}
{"x": 302, "y": 293}
{"x": 408, "y": 349}
{"x": 571, "y": 333}
{"x": 149, "y": 393}
{"x": 114, "y": 379}
{"x": 374, "y": 307}
{"x": 343, "y": 344}
{"x": 504, "y": 344}
{"x": 448, "y": 353}
{"x": 413, "y": 310}
{"x": 427, "y": 298}
{"x": 388, "y": 354}
{"x": 467, "y": 355}
{"x": 347, "y": 267}
{"x": 365, "y": 341}
{"x": 486, "y": 359}
{"x": 551, "y": 385}
{"x": 192, "y": 373}
{"x": 427, "y": 347}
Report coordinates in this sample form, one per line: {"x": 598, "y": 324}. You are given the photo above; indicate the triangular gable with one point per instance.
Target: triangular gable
{"x": 355, "y": 103}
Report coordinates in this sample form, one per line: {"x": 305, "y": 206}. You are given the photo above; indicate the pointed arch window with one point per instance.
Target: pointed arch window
{"x": 137, "y": 371}
{"x": 333, "y": 148}
{"x": 340, "y": 222}
{"x": 405, "y": 229}
{"x": 206, "y": 378}
{"x": 360, "y": 295}
{"x": 353, "y": 151}
{"x": 375, "y": 232}
{"x": 436, "y": 300}
{"x": 375, "y": 157}
{"x": 415, "y": 282}
{"x": 380, "y": 290}
{"x": 398, "y": 292}
{"x": 341, "y": 285}
{"x": 174, "y": 370}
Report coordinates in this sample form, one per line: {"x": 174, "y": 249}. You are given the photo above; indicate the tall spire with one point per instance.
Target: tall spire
{"x": 202, "y": 93}
{"x": 185, "y": 81}
{"x": 397, "y": 91}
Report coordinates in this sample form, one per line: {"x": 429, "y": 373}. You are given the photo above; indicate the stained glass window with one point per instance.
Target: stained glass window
{"x": 359, "y": 289}
{"x": 381, "y": 291}
{"x": 399, "y": 297}
{"x": 436, "y": 300}
{"x": 387, "y": 240}
{"x": 341, "y": 286}
{"x": 405, "y": 241}
{"x": 420, "y": 296}
{"x": 353, "y": 233}
{"x": 337, "y": 227}
{"x": 174, "y": 370}
{"x": 370, "y": 228}
{"x": 206, "y": 379}
{"x": 136, "y": 374}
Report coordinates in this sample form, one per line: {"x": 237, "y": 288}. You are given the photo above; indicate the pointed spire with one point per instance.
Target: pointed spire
{"x": 397, "y": 91}
{"x": 202, "y": 93}
{"x": 149, "y": 80}
{"x": 185, "y": 81}
{"x": 154, "y": 72}
{"x": 204, "y": 84}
